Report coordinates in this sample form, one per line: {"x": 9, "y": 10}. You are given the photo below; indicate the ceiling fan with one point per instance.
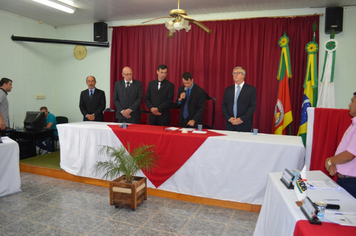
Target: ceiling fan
{"x": 181, "y": 21}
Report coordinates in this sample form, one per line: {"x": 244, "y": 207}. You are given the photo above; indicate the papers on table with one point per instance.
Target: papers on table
{"x": 187, "y": 129}
{"x": 199, "y": 132}
{"x": 172, "y": 128}
{"x": 342, "y": 218}
{"x": 323, "y": 185}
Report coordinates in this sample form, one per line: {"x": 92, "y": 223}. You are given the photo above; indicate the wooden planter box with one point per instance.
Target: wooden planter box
{"x": 128, "y": 195}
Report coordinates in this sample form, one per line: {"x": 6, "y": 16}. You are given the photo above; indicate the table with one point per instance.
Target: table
{"x": 233, "y": 167}
{"x": 10, "y": 181}
{"x": 27, "y": 140}
{"x": 279, "y": 213}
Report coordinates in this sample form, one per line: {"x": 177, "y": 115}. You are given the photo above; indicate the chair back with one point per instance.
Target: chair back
{"x": 61, "y": 119}
{"x": 110, "y": 116}
{"x": 209, "y": 112}
{"x": 144, "y": 117}
{"x": 174, "y": 112}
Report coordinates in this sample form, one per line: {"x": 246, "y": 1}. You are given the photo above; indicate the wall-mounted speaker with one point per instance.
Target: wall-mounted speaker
{"x": 333, "y": 19}
{"x": 100, "y": 32}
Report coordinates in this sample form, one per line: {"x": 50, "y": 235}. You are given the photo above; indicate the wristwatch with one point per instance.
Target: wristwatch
{"x": 329, "y": 162}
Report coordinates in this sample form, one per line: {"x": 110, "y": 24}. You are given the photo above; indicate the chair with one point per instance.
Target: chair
{"x": 60, "y": 120}
{"x": 174, "y": 112}
{"x": 144, "y": 117}
{"x": 209, "y": 111}
{"x": 109, "y": 115}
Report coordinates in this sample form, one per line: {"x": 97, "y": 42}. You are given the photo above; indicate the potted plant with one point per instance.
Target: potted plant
{"x": 128, "y": 189}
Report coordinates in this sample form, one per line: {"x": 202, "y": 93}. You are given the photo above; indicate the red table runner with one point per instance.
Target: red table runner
{"x": 173, "y": 147}
{"x": 304, "y": 228}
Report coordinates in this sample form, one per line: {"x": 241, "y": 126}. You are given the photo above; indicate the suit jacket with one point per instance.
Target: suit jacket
{"x": 196, "y": 105}
{"x": 128, "y": 98}
{"x": 96, "y": 106}
{"x": 246, "y": 106}
{"x": 162, "y": 99}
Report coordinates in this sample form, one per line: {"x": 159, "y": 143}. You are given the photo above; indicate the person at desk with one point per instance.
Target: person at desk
{"x": 191, "y": 99}
{"x": 159, "y": 98}
{"x": 92, "y": 101}
{"x": 344, "y": 162}
{"x": 46, "y": 144}
{"x": 5, "y": 87}
{"x": 239, "y": 103}
{"x": 128, "y": 94}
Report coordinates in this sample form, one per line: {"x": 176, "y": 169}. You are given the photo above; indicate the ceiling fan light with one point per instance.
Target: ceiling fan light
{"x": 187, "y": 28}
{"x": 169, "y": 26}
{"x": 178, "y": 25}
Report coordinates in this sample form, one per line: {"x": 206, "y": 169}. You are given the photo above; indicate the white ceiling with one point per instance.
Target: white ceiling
{"x": 90, "y": 11}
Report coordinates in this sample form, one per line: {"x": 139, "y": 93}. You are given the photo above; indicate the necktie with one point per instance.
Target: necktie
{"x": 159, "y": 85}
{"x": 127, "y": 85}
{"x": 235, "y": 101}
{"x": 91, "y": 95}
{"x": 185, "y": 108}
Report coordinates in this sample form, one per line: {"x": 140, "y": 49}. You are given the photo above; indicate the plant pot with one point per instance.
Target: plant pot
{"x": 128, "y": 195}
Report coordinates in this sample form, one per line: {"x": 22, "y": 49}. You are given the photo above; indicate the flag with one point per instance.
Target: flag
{"x": 326, "y": 96}
{"x": 300, "y": 187}
{"x": 283, "y": 109}
{"x": 310, "y": 85}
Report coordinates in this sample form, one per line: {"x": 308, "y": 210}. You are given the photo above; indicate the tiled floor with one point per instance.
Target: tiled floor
{"x": 48, "y": 206}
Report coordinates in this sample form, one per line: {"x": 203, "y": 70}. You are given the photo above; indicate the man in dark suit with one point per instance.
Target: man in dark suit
{"x": 128, "y": 95}
{"x": 92, "y": 101}
{"x": 191, "y": 100}
{"x": 159, "y": 98}
{"x": 239, "y": 103}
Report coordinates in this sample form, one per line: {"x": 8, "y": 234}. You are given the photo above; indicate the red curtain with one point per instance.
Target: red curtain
{"x": 329, "y": 128}
{"x": 250, "y": 43}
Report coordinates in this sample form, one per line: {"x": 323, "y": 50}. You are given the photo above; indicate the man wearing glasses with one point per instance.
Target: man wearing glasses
{"x": 239, "y": 103}
{"x": 128, "y": 95}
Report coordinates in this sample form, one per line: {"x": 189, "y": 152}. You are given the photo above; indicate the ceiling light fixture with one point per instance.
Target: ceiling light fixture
{"x": 177, "y": 25}
{"x": 56, "y": 5}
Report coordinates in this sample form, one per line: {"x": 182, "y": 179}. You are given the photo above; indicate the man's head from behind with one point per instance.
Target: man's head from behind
{"x": 187, "y": 79}
{"x": 91, "y": 81}
{"x": 352, "y": 106}
{"x": 45, "y": 110}
{"x": 6, "y": 84}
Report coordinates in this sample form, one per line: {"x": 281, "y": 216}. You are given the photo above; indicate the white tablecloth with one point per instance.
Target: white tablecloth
{"x": 232, "y": 167}
{"x": 10, "y": 181}
{"x": 279, "y": 212}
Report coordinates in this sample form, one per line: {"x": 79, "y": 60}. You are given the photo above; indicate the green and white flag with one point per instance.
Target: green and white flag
{"x": 326, "y": 95}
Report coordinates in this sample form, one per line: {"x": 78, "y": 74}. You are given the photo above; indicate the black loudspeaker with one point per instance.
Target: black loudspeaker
{"x": 100, "y": 32}
{"x": 333, "y": 19}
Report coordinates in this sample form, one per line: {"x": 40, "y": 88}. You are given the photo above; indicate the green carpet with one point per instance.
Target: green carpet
{"x": 50, "y": 160}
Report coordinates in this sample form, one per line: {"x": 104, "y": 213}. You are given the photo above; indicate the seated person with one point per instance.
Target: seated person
{"x": 46, "y": 144}
{"x": 344, "y": 162}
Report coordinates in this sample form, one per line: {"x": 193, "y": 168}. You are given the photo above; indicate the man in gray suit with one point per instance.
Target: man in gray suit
{"x": 92, "y": 101}
{"x": 128, "y": 95}
{"x": 239, "y": 103}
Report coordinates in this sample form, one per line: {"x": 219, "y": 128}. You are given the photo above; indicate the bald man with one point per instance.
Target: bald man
{"x": 128, "y": 97}
{"x": 92, "y": 101}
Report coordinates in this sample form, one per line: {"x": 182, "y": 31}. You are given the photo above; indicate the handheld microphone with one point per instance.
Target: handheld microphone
{"x": 185, "y": 89}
